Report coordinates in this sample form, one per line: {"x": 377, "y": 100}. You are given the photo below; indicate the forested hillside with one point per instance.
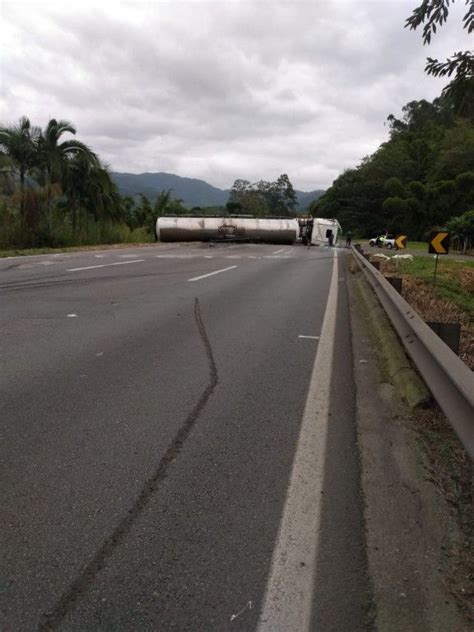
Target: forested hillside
{"x": 421, "y": 178}
{"x": 191, "y": 191}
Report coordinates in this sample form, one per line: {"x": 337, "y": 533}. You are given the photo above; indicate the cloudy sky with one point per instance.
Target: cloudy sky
{"x": 220, "y": 90}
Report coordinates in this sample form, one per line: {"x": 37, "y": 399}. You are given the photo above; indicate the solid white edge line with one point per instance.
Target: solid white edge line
{"x": 204, "y": 276}
{"x": 287, "y": 604}
{"x": 105, "y": 265}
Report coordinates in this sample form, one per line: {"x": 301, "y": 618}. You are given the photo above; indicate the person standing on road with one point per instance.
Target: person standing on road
{"x": 309, "y": 231}
{"x": 348, "y": 239}
{"x": 330, "y": 236}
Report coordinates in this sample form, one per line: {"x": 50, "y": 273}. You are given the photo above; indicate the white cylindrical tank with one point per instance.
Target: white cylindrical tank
{"x": 272, "y": 231}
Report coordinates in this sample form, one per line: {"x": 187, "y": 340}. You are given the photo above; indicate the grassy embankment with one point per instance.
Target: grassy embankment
{"x": 417, "y": 245}
{"x": 451, "y": 300}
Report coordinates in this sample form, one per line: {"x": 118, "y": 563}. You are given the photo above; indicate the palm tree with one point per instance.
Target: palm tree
{"x": 87, "y": 184}
{"x": 19, "y": 143}
{"x": 76, "y": 183}
{"x": 54, "y": 156}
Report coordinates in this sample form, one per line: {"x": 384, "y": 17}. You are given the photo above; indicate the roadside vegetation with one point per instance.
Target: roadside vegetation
{"x": 422, "y": 178}
{"x": 263, "y": 198}
{"x": 56, "y": 192}
{"x": 450, "y": 301}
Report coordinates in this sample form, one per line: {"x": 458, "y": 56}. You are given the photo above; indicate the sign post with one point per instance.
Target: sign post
{"x": 435, "y": 271}
{"x": 439, "y": 245}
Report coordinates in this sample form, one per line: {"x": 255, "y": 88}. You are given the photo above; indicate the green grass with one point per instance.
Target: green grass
{"x": 417, "y": 245}
{"x": 411, "y": 245}
{"x": 453, "y": 281}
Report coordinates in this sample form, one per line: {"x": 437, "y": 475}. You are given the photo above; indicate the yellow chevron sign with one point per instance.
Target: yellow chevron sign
{"x": 401, "y": 241}
{"x": 439, "y": 244}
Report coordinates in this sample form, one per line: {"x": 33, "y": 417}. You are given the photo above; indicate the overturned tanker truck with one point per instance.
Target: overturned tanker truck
{"x": 275, "y": 230}
{"x": 319, "y": 231}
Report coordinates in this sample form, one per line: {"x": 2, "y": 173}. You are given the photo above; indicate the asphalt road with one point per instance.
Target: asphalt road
{"x": 160, "y": 464}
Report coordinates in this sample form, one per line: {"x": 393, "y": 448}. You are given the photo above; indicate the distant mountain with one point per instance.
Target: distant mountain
{"x": 193, "y": 192}
{"x": 306, "y": 197}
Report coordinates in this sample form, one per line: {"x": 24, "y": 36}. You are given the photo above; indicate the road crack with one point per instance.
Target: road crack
{"x": 69, "y": 599}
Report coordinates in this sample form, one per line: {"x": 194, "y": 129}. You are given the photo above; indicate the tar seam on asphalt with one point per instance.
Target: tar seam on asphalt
{"x": 67, "y": 601}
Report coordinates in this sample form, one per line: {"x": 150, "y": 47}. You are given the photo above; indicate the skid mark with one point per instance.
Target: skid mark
{"x": 69, "y": 599}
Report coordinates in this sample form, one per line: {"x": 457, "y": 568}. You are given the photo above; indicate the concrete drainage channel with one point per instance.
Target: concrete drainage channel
{"x": 446, "y": 376}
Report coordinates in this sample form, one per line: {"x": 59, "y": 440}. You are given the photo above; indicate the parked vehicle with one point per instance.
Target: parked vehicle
{"x": 383, "y": 241}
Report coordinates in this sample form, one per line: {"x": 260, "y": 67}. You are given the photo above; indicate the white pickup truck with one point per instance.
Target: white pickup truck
{"x": 383, "y": 241}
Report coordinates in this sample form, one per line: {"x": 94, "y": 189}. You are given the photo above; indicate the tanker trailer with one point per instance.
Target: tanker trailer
{"x": 264, "y": 230}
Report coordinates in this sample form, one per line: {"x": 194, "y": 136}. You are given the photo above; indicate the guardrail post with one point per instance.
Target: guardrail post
{"x": 395, "y": 282}
{"x": 450, "y": 333}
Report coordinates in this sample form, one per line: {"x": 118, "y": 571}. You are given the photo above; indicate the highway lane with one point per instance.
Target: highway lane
{"x": 149, "y": 428}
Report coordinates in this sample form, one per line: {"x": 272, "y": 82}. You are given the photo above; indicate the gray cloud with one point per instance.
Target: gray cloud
{"x": 221, "y": 90}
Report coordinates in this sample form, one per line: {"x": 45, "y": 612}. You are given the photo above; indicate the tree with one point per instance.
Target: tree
{"x": 129, "y": 214}
{"x": 18, "y": 142}
{"x": 283, "y": 196}
{"x": 162, "y": 203}
{"x": 233, "y": 208}
{"x": 460, "y": 91}
{"x": 462, "y": 229}
{"x": 7, "y": 183}
{"x": 419, "y": 178}
{"x": 250, "y": 197}
{"x": 239, "y": 189}
{"x": 264, "y": 198}
{"x": 53, "y": 155}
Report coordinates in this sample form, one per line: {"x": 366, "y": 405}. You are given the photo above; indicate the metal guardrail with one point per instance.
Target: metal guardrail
{"x": 450, "y": 381}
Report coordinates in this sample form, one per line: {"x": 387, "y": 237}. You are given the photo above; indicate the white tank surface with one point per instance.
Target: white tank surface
{"x": 265, "y": 230}
{"x": 321, "y": 226}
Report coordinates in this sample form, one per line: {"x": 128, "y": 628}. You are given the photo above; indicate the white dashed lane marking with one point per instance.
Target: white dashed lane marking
{"x": 204, "y": 276}
{"x": 105, "y": 265}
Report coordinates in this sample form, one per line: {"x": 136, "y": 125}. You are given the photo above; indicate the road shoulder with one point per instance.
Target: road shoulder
{"x": 405, "y": 517}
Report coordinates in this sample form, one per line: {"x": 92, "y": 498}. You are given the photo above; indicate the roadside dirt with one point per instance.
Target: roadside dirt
{"x": 435, "y": 308}
{"x": 429, "y": 479}
{"x": 447, "y": 465}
